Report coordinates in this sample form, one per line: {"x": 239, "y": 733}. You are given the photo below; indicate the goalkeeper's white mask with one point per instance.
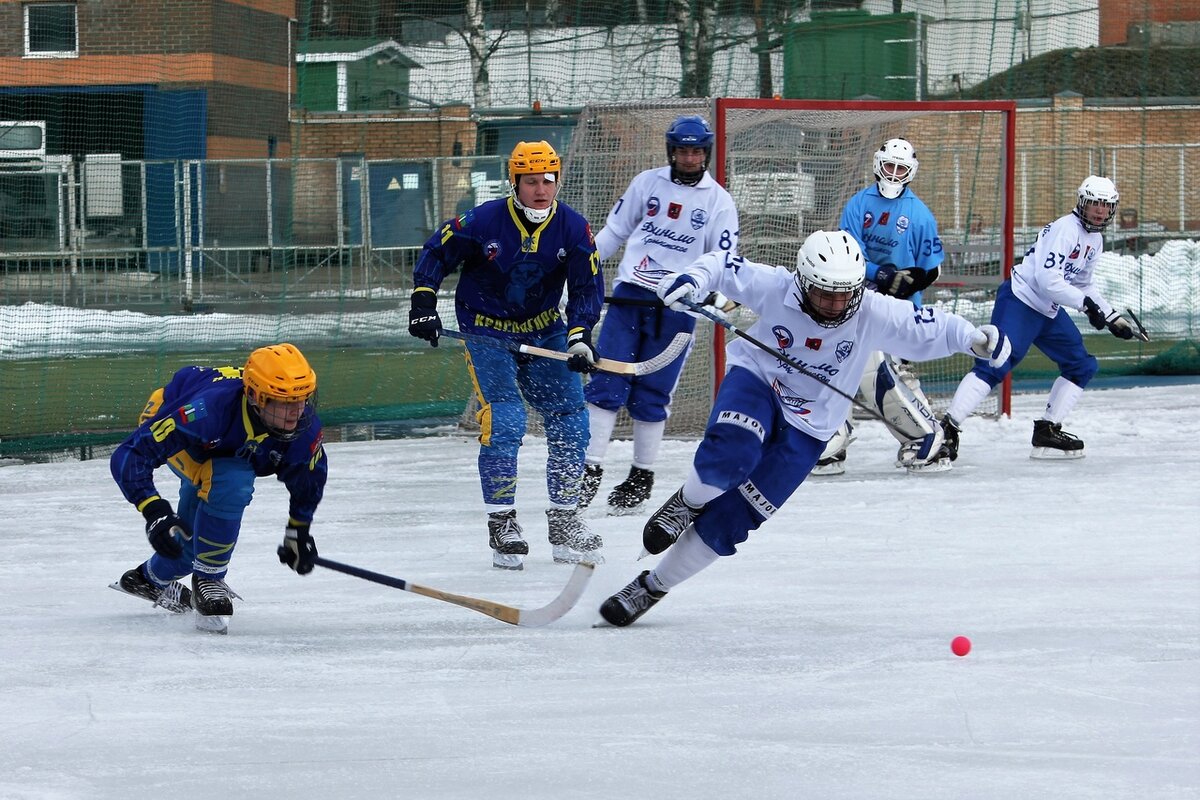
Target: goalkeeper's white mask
{"x": 895, "y": 167}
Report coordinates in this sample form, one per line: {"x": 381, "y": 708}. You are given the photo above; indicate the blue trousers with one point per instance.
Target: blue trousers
{"x": 1058, "y": 338}
{"x": 751, "y": 452}
{"x": 637, "y": 333}
{"x": 504, "y": 381}
{"x": 213, "y": 495}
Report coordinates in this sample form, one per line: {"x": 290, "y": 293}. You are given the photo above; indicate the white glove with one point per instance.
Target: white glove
{"x": 675, "y": 289}
{"x": 990, "y": 343}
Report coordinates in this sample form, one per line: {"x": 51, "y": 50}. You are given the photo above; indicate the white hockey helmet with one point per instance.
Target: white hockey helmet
{"x": 895, "y": 166}
{"x": 1096, "y": 192}
{"x": 830, "y": 271}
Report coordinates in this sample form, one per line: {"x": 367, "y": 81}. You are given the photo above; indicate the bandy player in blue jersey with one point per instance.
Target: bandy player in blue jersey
{"x": 515, "y": 255}
{"x": 219, "y": 428}
{"x": 666, "y": 219}
{"x": 899, "y": 238}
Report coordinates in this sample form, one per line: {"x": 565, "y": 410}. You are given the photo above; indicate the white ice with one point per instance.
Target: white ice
{"x": 816, "y": 663}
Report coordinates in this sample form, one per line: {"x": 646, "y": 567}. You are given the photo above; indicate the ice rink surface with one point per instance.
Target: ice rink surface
{"x": 814, "y": 664}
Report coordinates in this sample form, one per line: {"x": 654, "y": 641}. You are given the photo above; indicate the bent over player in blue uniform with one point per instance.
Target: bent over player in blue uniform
{"x": 218, "y": 429}
{"x": 770, "y": 419}
{"x": 516, "y": 255}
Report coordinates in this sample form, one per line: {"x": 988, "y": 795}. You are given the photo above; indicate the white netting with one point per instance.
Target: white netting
{"x": 791, "y": 170}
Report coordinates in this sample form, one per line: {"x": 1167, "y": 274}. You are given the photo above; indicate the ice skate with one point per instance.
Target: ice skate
{"x": 570, "y": 539}
{"x": 213, "y": 602}
{"x": 667, "y": 524}
{"x": 590, "y": 484}
{"x": 628, "y": 496}
{"x": 504, "y": 537}
{"x": 174, "y": 597}
{"x": 626, "y": 606}
{"x": 834, "y": 465}
{"x": 1052, "y": 443}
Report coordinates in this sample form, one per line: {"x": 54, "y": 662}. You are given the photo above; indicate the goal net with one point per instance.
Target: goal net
{"x": 790, "y": 167}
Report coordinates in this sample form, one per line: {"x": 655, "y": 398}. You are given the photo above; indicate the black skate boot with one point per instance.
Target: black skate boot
{"x": 668, "y": 524}
{"x": 174, "y": 597}
{"x": 504, "y": 537}
{"x": 590, "y": 484}
{"x": 570, "y": 538}
{"x": 950, "y": 429}
{"x": 627, "y": 605}
{"x": 630, "y": 493}
{"x": 213, "y": 601}
{"x": 1050, "y": 441}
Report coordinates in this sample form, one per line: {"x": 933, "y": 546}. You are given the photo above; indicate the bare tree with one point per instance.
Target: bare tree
{"x": 695, "y": 21}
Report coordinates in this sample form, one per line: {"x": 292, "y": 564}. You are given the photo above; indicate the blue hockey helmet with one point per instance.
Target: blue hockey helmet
{"x": 689, "y": 131}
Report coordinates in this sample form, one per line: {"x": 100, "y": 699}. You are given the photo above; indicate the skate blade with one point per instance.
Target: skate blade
{"x": 828, "y": 471}
{"x": 626, "y": 511}
{"x": 174, "y": 608}
{"x": 602, "y": 623}
{"x": 941, "y": 465}
{"x": 212, "y": 624}
{"x": 1054, "y": 454}
{"x": 509, "y": 561}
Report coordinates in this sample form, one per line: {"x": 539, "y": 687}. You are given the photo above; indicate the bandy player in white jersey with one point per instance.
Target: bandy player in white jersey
{"x": 771, "y": 420}
{"x": 1054, "y": 275}
{"x": 667, "y": 218}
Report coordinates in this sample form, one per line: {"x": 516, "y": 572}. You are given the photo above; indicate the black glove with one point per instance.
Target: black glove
{"x": 579, "y": 347}
{"x": 298, "y": 550}
{"x": 164, "y": 528}
{"x": 894, "y": 281}
{"x": 423, "y": 320}
{"x": 1118, "y": 326}
{"x": 1094, "y": 314}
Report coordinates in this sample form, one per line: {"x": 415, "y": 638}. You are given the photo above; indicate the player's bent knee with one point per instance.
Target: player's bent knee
{"x": 1082, "y": 373}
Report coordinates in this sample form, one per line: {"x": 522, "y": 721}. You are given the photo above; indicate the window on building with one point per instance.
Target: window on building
{"x": 51, "y": 30}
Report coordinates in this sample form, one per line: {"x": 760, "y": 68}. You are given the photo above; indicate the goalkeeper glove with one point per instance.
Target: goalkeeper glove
{"x": 895, "y": 282}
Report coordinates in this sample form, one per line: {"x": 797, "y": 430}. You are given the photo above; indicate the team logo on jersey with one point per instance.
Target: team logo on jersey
{"x": 562, "y": 254}
{"x": 790, "y": 400}
{"x": 901, "y": 224}
{"x": 699, "y": 217}
{"x": 1088, "y": 253}
{"x": 652, "y": 206}
{"x": 812, "y": 343}
{"x": 674, "y": 210}
{"x": 491, "y": 249}
{"x": 843, "y": 351}
{"x": 883, "y": 218}
{"x": 783, "y": 337}
{"x": 868, "y": 218}
{"x": 1074, "y": 253}
{"x": 192, "y": 412}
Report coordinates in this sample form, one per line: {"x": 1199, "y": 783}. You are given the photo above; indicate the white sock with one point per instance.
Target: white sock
{"x": 686, "y": 557}
{"x": 967, "y": 397}
{"x": 698, "y": 494}
{"x": 600, "y": 425}
{"x": 1063, "y": 396}
{"x": 647, "y": 438}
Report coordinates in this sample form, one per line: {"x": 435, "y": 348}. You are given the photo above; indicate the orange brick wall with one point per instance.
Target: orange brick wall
{"x": 1115, "y": 16}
